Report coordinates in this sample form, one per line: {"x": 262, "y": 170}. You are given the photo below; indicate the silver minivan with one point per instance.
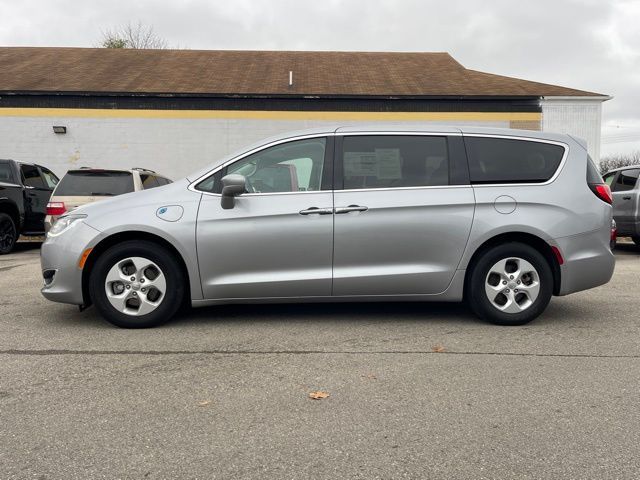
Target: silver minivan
{"x": 502, "y": 218}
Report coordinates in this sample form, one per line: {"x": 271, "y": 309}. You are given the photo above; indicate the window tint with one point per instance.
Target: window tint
{"x": 502, "y": 160}
{"x": 31, "y": 176}
{"x": 626, "y": 180}
{"x": 49, "y": 178}
{"x": 6, "y": 175}
{"x": 290, "y": 167}
{"x": 163, "y": 181}
{"x": 149, "y": 181}
{"x": 93, "y": 183}
{"x": 392, "y": 161}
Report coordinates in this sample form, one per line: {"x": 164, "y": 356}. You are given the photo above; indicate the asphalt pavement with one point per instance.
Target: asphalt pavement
{"x": 414, "y": 390}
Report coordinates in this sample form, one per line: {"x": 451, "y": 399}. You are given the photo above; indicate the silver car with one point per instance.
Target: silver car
{"x": 502, "y": 218}
{"x": 626, "y": 200}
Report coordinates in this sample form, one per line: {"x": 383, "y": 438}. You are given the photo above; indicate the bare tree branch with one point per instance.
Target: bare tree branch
{"x": 619, "y": 160}
{"x": 136, "y": 36}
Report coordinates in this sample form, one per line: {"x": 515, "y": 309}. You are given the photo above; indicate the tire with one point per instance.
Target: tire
{"x": 8, "y": 234}
{"x": 636, "y": 240}
{"x": 512, "y": 303}
{"x": 157, "y": 286}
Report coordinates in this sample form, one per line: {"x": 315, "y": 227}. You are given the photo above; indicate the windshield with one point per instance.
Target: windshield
{"x": 92, "y": 183}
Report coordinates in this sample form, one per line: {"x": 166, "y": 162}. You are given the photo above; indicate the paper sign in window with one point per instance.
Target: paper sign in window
{"x": 389, "y": 163}
{"x": 360, "y": 164}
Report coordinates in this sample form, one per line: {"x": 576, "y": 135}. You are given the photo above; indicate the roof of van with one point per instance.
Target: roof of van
{"x": 257, "y": 73}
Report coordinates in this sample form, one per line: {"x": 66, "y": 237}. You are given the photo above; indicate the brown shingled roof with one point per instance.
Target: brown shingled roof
{"x": 218, "y": 72}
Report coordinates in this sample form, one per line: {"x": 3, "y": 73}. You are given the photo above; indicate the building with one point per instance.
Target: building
{"x": 174, "y": 111}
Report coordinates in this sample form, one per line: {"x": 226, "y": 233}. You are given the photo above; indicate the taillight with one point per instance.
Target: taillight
{"x": 602, "y": 191}
{"x": 56, "y": 208}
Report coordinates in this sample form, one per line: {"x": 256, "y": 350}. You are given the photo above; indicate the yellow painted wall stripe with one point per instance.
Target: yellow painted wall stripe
{"x": 270, "y": 115}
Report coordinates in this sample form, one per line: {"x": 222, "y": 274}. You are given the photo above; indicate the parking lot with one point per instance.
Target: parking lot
{"x": 415, "y": 390}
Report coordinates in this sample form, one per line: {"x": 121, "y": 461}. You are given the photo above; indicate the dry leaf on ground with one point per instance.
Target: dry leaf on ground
{"x": 437, "y": 348}
{"x": 204, "y": 403}
{"x": 318, "y": 395}
{"x": 370, "y": 376}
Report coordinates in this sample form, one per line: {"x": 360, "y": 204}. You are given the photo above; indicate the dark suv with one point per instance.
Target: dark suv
{"x": 25, "y": 189}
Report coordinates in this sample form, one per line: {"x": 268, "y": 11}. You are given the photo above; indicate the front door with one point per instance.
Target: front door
{"x": 400, "y": 227}
{"x": 277, "y": 241}
{"x": 37, "y": 193}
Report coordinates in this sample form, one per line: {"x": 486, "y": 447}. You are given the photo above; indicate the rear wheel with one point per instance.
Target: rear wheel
{"x": 511, "y": 284}
{"x": 8, "y": 234}
{"x": 137, "y": 284}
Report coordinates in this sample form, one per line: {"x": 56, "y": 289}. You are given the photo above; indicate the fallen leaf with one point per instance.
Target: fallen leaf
{"x": 318, "y": 395}
{"x": 438, "y": 348}
{"x": 370, "y": 376}
{"x": 204, "y": 403}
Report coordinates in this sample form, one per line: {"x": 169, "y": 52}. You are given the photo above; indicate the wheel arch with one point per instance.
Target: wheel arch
{"x": 521, "y": 237}
{"x": 11, "y": 209}
{"x": 120, "y": 237}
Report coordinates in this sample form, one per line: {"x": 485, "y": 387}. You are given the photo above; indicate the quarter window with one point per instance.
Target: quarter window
{"x": 290, "y": 167}
{"x": 626, "y": 180}
{"x": 503, "y": 160}
{"x": 394, "y": 161}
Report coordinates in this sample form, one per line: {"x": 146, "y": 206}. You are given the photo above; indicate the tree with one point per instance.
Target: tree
{"x": 136, "y": 36}
{"x": 619, "y": 160}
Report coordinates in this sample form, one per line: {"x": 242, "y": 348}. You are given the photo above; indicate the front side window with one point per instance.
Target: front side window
{"x": 504, "y": 160}
{"x": 626, "y": 180}
{"x": 394, "y": 161}
{"x": 31, "y": 176}
{"x": 290, "y": 167}
{"x": 6, "y": 175}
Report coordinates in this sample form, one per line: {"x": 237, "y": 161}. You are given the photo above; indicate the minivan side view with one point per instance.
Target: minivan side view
{"x": 502, "y": 218}
{"x": 626, "y": 200}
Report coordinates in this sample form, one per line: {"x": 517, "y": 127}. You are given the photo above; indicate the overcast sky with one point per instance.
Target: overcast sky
{"x": 587, "y": 44}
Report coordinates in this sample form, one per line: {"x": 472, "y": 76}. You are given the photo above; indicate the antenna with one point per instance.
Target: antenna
{"x": 290, "y": 78}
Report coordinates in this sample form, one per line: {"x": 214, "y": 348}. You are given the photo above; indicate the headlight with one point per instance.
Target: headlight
{"x": 63, "y": 224}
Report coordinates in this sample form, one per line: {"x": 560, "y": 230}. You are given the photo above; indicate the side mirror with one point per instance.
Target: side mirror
{"x": 232, "y": 186}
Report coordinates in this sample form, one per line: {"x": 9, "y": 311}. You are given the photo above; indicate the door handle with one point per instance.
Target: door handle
{"x": 626, "y": 198}
{"x": 316, "y": 211}
{"x": 351, "y": 208}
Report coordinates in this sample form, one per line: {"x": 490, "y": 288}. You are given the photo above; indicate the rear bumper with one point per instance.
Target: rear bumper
{"x": 588, "y": 261}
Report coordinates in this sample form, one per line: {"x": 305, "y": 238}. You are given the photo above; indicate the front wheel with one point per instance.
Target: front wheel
{"x": 8, "y": 234}
{"x": 511, "y": 284}
{"x": 137, "y": 284}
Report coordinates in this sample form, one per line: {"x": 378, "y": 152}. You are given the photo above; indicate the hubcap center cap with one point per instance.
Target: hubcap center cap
{"x": 512, "y": 285}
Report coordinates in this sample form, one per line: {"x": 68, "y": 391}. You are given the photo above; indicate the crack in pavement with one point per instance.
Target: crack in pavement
{"x": 300, "y": 352}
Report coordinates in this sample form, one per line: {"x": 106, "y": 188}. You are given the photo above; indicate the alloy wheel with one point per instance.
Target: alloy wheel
{"x": 135, "y": 286}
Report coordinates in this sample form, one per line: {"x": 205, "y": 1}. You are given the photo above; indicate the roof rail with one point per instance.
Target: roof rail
{"x": 140, "y": 169}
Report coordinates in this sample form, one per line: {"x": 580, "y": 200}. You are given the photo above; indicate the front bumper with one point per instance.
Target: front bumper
{"x": 588, "y": 261}
{"x": 59, "y": 258}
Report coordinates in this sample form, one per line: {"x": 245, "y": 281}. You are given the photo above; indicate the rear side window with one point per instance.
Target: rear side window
{"x": 394, "y": 161}
{"x": 593, "y": 175}
{"x": 31, "y": 176}
{"x": 626, "y": 180}
{"x": 6, "y": 175}
{"x": 504, "y": 160}
{"x": 90, "y": 183}
{"x": 148, "y": 181}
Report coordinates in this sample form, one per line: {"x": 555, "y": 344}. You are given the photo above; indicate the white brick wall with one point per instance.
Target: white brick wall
{"x": 576, "y": 116}
{"x": 173, "y": 147}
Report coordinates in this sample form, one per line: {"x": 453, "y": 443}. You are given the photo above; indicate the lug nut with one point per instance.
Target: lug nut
{"x": 135, "y": 294}
{"x": 144, "y": 290}
{"x": 506, "y": 291}
{"x": 504, "y": 282}
{"x": 128, "y": 287}
{"x": 142, "y": 280}
{"x": 511, "y": 277}
{"x": 133, "y": 278}
{"x": 518, "y": 282}
{"x": 515, "y": 291}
